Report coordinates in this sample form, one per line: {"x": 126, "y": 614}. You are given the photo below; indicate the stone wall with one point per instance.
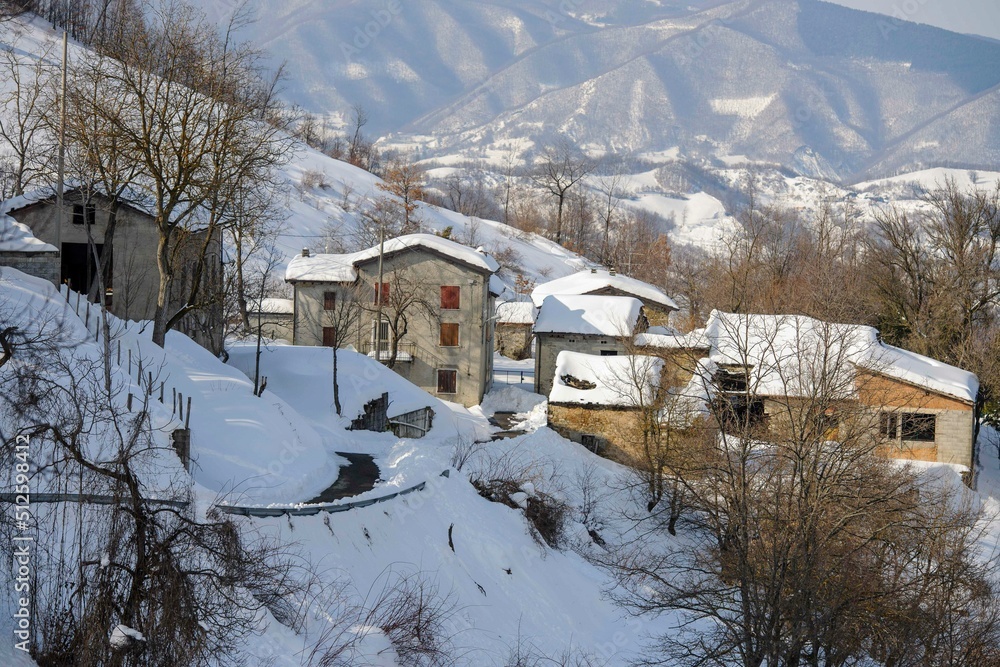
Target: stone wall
{"x": 614, "y": 428}
{"x": 44, "y": 265}
{"x": 513, "y": 340}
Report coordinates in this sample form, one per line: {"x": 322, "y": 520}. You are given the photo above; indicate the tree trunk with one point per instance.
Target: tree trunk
{"x": 163, "y": 292}
{"x": 559, "y": 216}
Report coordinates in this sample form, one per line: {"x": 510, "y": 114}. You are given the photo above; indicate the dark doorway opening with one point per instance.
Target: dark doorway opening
{"x": 79, "y": 268}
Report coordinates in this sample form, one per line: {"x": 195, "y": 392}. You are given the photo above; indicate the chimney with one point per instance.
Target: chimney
{"x": 613, "y": 271}
{"x": 593, "y": 270}
{"x": 305, "y": 252}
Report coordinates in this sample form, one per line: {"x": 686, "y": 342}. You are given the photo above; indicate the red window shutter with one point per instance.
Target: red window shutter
{"x": 329, "y": 336}
{"x": 329, "y": 300}
{"x": 451, "y": 298}
{"x": 449, "y": 335}
{"x": 447, "y": 382}
{"x": 385, "y": 293}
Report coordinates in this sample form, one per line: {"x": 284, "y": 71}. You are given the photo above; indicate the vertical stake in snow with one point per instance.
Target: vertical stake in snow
{"x": 187, "y": 420}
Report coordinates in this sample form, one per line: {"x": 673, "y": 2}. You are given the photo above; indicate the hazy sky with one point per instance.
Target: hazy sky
{"x": 979, "y": 17}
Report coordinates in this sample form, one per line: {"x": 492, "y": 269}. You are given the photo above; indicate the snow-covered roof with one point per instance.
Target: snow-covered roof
{"x": 592, "y": 315}
{"x": 620, "y": 381}
{"x": 343, "y": 267}
{"x": 133, "y": 197}
{"x": 588, "y": 282}
{"x": 515, "y": 312}
{"x": 497, "y": 286}
{"x": 791, "y": 354}
{"x": 673, "y": 340}
{"x": 277, "y": 307}
{"x": 322, "y": 268}
{"x": 16, "y": 237}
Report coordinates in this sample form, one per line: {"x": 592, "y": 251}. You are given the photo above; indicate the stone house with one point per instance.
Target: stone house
{"x": 596, "y": 325}
{"x": 769, "y": 366}
{"x": 437, "y": 303}
{"x": 133, "y": 279}
{"x": 768, "y": 370}
{"x": 514, "y": 322}
{"x": 598, "y": 401}
{"x": 19, "y": 249}
{"x": 601, "y": 282}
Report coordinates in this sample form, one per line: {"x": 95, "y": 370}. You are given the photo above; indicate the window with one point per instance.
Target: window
{"x": 385, "y": 293}
{"x": 917, "y": 427}
{"x": 887, "y": 426}
{"x": 731, "y": 380}
{"x": 447, "y": 381}
{"x": 83, "y": 214}
{"x": 329, "y": 300}
{"x": 589, "y": 441}
{"x": 449, "y": 334}
{"x": 384, "y": 335}
{"x": 329, "y": 337}
{"x": 910, "y": 426}
{"x": 609, "y": 353}
{"x": 451, "y": 297}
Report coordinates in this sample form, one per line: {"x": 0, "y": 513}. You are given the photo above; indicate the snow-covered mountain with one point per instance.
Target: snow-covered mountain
{"x": 820, "y": 88}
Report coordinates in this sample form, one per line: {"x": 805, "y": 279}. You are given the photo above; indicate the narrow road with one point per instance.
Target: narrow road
{"x": 359, "y": 476}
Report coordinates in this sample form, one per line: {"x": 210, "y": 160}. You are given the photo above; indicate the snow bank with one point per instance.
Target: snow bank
{"x": 15, "y": 237}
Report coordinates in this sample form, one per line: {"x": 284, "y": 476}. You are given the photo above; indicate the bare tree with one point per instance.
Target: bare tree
{"x": 192, "y": 585}
{"x": 404, "y": 180}
{"x": 802, "y": 544}
{"x": 200, "y": 121}
{"x": 611, "y": 187}
{"x": 559, "y": 168}
{"x": 402, "y": 297}
{"x": 344, "y": 317}
{"x": 22, "y": 119}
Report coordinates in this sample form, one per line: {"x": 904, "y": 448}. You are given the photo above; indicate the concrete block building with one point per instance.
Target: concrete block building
{"x": 133, "y": 279}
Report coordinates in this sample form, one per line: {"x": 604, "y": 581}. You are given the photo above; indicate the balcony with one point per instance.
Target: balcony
{"x": 404, "y": 352}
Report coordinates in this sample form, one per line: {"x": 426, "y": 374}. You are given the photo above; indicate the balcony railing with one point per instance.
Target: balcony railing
{"x": 404, "y": 351}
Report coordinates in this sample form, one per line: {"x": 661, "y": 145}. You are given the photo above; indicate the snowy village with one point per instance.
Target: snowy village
{"x": 521, "y": 333}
